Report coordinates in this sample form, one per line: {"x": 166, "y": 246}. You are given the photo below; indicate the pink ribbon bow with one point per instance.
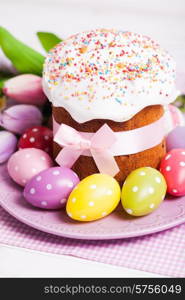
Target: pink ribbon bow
{"x": 74, "y": 144}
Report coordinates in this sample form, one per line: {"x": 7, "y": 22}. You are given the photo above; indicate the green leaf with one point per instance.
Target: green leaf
{"x": 48, "y": 40}
{"x": 2, "y": 81}
{"x": 24, "y": 58}
{"x": 3, "y": 78}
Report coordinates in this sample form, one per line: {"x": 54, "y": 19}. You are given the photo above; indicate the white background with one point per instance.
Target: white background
{"x": 163, "y": 20}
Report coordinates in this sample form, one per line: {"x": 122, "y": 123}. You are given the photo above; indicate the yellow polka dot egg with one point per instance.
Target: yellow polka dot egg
{"x": 143, "y": 191}
{"x": 93, "y": 198}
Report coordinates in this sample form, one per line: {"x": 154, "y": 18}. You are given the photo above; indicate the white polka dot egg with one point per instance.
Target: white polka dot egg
{"x": 26, "y": 163}
{"x": 144, "y": 189}
{"x": 173, "y": 168}
{"x": 94, "y": 197}
{"x": 51, "y": 188}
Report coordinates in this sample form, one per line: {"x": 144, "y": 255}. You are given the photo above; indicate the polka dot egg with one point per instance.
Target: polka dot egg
{"x": 144, "y": 189}
{"x": 173, "y": 168}
{"x": 176, "y": 138}
{"x": 26, "y": 163}
{"x": 51, "y": 188}
{"x": 39, "y": 137}
{"x": 94, "y": 197}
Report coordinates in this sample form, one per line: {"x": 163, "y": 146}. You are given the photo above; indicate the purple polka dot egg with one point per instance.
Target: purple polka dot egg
{"x": 50, "y": 188}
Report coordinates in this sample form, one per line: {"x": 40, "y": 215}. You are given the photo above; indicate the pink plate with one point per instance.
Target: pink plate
{"x": 115, "y": 226}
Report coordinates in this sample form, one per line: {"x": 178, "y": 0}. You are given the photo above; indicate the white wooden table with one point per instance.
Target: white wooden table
{"x": 162, "y": 20}
{"x": 18, "y": 262}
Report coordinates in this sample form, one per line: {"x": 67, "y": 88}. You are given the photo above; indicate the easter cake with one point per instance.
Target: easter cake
{"x": 118, "y": 78}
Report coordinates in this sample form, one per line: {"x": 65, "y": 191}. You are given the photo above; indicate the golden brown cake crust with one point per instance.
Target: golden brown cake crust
{"x": 85, "y": 165}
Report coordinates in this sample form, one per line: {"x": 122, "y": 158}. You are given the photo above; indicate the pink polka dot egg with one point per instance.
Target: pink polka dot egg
{"x": 51, "y": 188}
{"x": 173, "y": 169}
{"x": 26, "y": 163}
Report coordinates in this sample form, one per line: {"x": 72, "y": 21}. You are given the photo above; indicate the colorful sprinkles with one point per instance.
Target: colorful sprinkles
{"x": 121, "y": 63}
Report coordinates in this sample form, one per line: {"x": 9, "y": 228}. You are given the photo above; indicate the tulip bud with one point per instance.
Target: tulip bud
{"x": 26, "y": 89}
{"x": 19, "y": 118}
{"x": 7, "y": 146}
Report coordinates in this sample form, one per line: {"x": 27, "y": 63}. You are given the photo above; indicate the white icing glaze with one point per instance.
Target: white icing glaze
{"x": 108, "y": 74}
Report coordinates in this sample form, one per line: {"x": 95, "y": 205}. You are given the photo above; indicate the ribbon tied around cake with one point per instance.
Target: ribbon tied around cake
{"x": 105, "y": 144}
{"x": 74, "y": 144}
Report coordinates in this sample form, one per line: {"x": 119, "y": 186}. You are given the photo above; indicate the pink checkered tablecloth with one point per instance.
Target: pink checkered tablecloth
{"x": 162, "y": 253}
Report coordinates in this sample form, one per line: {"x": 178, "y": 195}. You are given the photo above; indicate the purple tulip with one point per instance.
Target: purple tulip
{"x": 26, "y": 89}
{"x": 7, "y": 146}
{"x": 18, "y": 118}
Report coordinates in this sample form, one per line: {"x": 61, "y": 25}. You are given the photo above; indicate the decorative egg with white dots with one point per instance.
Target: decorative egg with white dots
{"x": 26, "y": 163}
{"x": 173, "y": 168}
{"x": 50, "y": 188}
{"x": 143, "y": 190}
{"x": 39, "y": 137}
{"x": 176, "y": 138}
{"x": 93, "y": 198}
